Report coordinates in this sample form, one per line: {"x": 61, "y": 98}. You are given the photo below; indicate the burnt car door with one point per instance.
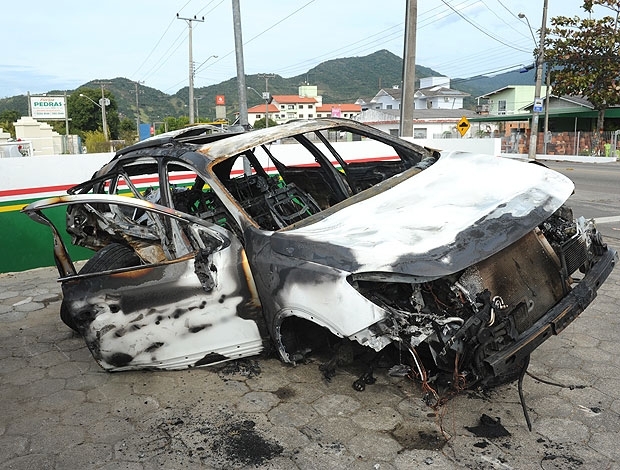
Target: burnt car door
{"x": 188, "y": 301}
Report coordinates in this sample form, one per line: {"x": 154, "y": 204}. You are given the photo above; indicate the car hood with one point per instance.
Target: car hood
{"x": 461, "y": 210}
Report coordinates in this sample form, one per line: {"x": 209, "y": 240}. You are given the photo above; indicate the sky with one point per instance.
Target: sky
{"x": 65, "y": 43}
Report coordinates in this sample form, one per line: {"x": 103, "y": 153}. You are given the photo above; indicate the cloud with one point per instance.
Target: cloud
{"x": 20, "y": 79}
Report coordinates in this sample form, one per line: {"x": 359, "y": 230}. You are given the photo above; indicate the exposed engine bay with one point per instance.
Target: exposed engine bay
{"x": 455, "y": 330}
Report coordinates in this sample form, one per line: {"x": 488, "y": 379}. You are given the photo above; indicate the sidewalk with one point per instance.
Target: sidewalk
{"x": 60, "y": 411}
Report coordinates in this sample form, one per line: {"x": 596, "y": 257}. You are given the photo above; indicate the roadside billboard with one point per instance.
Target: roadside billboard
{"x": 48, "y": 107}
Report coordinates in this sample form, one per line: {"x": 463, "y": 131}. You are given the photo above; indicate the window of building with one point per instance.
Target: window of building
{"x": 310, "y": 106}
{"x": 394, "y": 132}
{"x": 319, "y": 115}
{"x": 291, "y": 106}
{"x": 501, "y": 107}
{"x": 419, "y": 132}
{"x": 282, "y": 106}
{"x": 310, "y": 116}
{"x": 388, "y": 106}
{"x": 258, "y": 116}
{"x": 300, "y": 116}
{"x": 301, "y": 106}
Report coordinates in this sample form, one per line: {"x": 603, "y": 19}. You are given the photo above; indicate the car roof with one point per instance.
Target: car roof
{"x": 239, "y": 143}
{"x": 234, "y": 141}
{"x": 199, "y": 134}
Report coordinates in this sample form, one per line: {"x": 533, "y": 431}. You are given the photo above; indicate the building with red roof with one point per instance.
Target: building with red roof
{"x": 344, "y": 110}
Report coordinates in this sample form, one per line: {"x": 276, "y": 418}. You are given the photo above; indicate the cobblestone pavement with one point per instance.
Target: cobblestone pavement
{"x": 60, "y": 411}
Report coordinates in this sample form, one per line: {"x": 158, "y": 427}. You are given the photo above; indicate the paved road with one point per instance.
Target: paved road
{"x": 60, "y": 411}
{"x": 597, "y": 193}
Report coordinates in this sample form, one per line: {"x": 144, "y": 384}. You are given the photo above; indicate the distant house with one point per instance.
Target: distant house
{"x": 438, "y": 109}
{"x": 427, "y": 123}
{"x": 285, "y": 108}
{"x": 435, "y": 93}
{"x": 306, "y": 105}
{"x": 571, "y": 120}
{"x": 343, "y": 110}
{"x": 259, "y": 112}
{"x": 512, "y": 99}
{"x": 386, "y": 98}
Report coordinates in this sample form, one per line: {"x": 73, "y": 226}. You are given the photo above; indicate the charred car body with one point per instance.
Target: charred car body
{"x": 228, "y": 244}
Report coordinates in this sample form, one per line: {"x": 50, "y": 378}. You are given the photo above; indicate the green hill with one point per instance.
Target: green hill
{"x": 339, "y": 81}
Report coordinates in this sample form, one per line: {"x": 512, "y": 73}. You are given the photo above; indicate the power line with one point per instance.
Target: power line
{"x": 207, "y": 6}
{"x": 507, "y": 9}
{"x": 160, "y": 63}
{"x": 259, "y": 34}
{"x": 479, "y": 28}
{"x": 154, "y": 48}
{"x": 278, "y": 22}
{"x": 345, "y": 48}
{"x": 426, "y": 19}
{"x": 502, "y": 19}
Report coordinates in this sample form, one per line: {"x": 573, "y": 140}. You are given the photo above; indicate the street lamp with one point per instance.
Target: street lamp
{"x": 264, "y": 96}
{"x": 539, "y": 66}
{"x": 191, "y": 82}
{"x": 103, "y": 102}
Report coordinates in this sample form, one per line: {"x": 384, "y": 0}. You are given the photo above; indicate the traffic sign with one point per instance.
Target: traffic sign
{"x": 463, "y": 126}
{"x": 538, "y": 105}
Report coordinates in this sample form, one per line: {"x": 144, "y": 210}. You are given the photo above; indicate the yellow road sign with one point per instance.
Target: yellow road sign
{"x": 463, "y": 126}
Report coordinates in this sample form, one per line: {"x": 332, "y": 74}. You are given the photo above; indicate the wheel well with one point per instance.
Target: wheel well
{"x": 299, "y": 337}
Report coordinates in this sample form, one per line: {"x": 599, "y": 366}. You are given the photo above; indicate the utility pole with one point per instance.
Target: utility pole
{"x": 546, "y": 124}
{"x": 66, "y": 116}
{"x": 407, "y": 103}
{"x": 241, "y": 87}
{"x": 104, "y": 122}
{"x": 266, "y": 76}
{"x": 537, "y": 100}
{"x": 191, "y": 65}
{"x": 137, "y": 84}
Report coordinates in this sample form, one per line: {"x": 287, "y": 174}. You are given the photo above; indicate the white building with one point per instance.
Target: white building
{"x": 284, "y": 108}
{"x": 434, "y": 93}
{"x": 427, "y": 123}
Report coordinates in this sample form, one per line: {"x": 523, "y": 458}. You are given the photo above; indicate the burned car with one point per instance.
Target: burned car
{"x": 212, "y": 247}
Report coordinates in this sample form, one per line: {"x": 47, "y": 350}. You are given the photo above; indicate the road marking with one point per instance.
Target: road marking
{"x": 607, "y": 220}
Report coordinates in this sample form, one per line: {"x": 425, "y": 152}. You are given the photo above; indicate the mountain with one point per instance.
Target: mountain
{"x": 339, "y": 81}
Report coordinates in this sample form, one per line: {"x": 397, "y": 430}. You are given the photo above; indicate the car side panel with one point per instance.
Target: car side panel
{"x": 163, "y": 316}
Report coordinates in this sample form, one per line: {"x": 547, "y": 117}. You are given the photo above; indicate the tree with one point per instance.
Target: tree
{"x": 86, "y": 115}
{"x": 584, "y": 57}
{"x": 172, "y": 124}
{"x": 128, "y": 131}
{"x": 260, "y": 123}
{"x": 7, "y": 121}
{"x": 95, "y": 142}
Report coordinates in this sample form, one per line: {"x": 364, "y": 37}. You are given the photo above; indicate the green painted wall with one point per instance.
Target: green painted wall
{"x": 26, "y": 244}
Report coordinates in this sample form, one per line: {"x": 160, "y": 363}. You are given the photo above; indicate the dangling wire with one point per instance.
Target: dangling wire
{"x": 526, "y": 363}
{"x": 423, "y": 375}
